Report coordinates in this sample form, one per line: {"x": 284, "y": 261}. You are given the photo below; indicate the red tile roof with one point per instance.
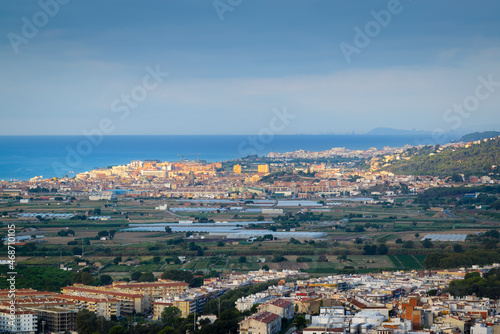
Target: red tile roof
{"x": 148, "y": 285}
{"x": 265, "y": 317}
{"x": 103, "y": 292}
{"x": 281, "y": 303}
{"x": 87, "y": 299}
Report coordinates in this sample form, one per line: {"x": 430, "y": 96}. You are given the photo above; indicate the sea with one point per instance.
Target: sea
{"x": 24, "y": 157}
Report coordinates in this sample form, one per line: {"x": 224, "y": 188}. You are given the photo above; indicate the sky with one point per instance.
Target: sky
{"x": 118, "y": 67}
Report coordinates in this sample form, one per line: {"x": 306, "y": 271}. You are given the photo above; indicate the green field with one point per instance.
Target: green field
{"x": 407, "y": 262}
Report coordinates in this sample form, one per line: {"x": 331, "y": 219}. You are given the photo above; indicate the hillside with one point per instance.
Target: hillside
{"x": 479, "y": 136}
{"x": 475, "y": 160}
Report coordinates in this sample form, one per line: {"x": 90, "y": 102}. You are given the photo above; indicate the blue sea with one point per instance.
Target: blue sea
{"x": 23, "y": 157}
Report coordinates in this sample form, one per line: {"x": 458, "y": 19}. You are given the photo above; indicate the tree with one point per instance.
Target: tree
{"x": 112, "y": 233}
{"x": 300, "y": 322}
{"x": 492, "y": 234}
{"x": 342, "y": 258}
{"x": 383, "y": 249}
{"x": 135, "y": 275}
{"x": 103, "y": 233}
{"x": 265, "y": 267}
{"x": 179, "y": 275}
{"x": 260, "y": 218}
{"x": 427, "y": 243}
{"x": 106, "y": 279}
{"x": 369, "y": 250}
{"x": 399, "y": 241}
{"x": 358, "y": 229}
{"x": 254, "y": 308}
{"x": 408, "y": 244}
{"x": 242, "y": 259}
{"x": 457, "y": 178}
{"x": 83, "y": 277}
{"x": 417, "y": 235}
{"x": 169, "y": 314}
{"x": 86, "y": 322}
{"x": 433, "y": 260}
{"x": 168, "y": 330}
{"x": 117, "y": 259}
{"x": 146, "y": 277}
{"x": 220, "y": 244}
{"x": 156, "y": 259}
{"x": 458, "y": 248}
{"x": 322, "y": 258}
{"x": 117, "y": 330}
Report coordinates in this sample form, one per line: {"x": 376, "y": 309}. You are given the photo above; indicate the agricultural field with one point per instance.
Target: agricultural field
{"x": 407, "y": 262}
{"x": 363, "y": 225}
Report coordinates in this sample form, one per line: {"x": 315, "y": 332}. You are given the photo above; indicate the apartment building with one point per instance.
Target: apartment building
{"x": 55, "y": 319}
{"x": 23, "y": 302}
{"x": 283, "y": 308}
{"x": 263, "y": 168}
{"x": 105, "y": 307}
{"x": 154, "y": 290}
{"x": 184, "y": 304}
{"x": 25, "y": 293}
{"x": 24, "y": 322}
{"x": 261, "y": 323}
{"x": 129, "y": 302}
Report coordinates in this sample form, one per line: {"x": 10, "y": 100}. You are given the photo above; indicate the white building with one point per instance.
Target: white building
{"x": 162, "y": 207}
{"x": 481, "y": 329}
{"x": 24, "y": 322}
{"x": 245, "y": 303}
{"x": 373, "y": 318}
{"x": 107, "y": 195}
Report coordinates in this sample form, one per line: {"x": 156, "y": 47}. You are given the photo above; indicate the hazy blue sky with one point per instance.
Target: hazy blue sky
{"x": 226, "y": 76}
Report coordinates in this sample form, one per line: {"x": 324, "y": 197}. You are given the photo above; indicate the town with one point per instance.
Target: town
{"x": 287, "y": 175}
{"x": 385, "y": 302}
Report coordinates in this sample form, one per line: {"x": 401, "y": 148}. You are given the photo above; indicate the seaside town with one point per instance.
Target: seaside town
{"x": 247, "y": 179}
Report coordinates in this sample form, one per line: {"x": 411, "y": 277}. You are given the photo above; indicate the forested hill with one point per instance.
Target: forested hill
{"x": 479, "y": 135}
{"x": 476, "y": 160}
